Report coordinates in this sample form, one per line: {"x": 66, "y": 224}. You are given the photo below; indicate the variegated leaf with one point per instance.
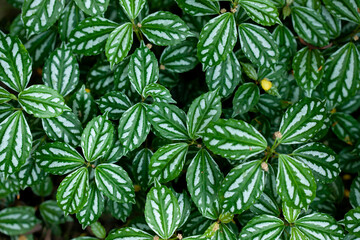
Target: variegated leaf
{"x": 167, "y": 162}
{"x": 51, "y": 212}
{"x": 73, "y": 191}
{"x": 199, "y": 7}
{"x": 266, "y": 204}
{"x": 246, "y": 97}
{"x": 355, "y": 192}
{"x": 69, "y": 19}
{"x": 263, "y": 227}
{"x": 83, "y": 105}
{"x": 352, "y": 222}
{"x": 158, "y": 92}
{"x": 345, "y": 127}
{"x": 61, "y": 71}
{"x": 93, "y": 7}
{"x": 58, "y": 158}
{"x": 141, "y": 164}
{"x": 344, "y": 9}
{"x": 120, "y": 211}
{"x": 132, "y": 7}
{"x": 5, "y": 96}
{"x": 234, "y": 139}
{"x": 128, "y": 233}
{"x": 17, "y": 220}
{"x": 97, "y": 138}
{"x": 100, "y": 78}
{"x": 115, "y": 183}
{"x": 217, "y": 40}
{"x": 15, "y": 143}
{"x": 30, "y": 173}
{"x": 333, "y": 23}
{"x": 290, "y": 214}
{"x": 114, "y": 103}
{"x": 162, "y": 212}
{"x": 263, "y": 12}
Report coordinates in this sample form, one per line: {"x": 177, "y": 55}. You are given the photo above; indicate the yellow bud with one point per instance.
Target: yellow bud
{"x": 137, "y": 188}
{"x": 87, "y": 90}
{"x": 333, "y": 111}
{"x": 266, "y": 84}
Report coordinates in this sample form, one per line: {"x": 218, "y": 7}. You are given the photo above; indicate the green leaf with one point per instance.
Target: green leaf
{"x": 43, "y": 188}
{"x": 223, "y": 232}
{"x": 266, "y": 204}
{"x": 217, "y": 40}
{"x": 346, "y": 127}
{"x": 15, "y": 143}
{"x": 355, "y": 192}
{"x": 258, "y": 45}
{"x": 15, "y": 63}
{"x": 234, "y": 139}
{"x": 119, "y": 43}
{"x": 141, "y": 164}
{"x": 143, "y": 68}
{"x": 42, "y": 101}
{"x": 180, "y": 58}
{"x": 115, "y": 103}
{"x": 93, "y": 7}
{"x": 132, "y": 8}
{"x": 341, "y": 75}
{"x": 51, "y": 212}
{"x": 73, "y": 191}
{"x": 158, "y": 92}
{"x": 83, "y": 105}
{"x": 98, "y": 230}
{"x": 38, "y": 16}
{"x": 352, "y": 221}
{"x": 184, "y": 205}
{"x": 302, "y": 121}
{"x": 321, "y": 159}
{"x": 286, "y": 41}
{"x": 17, "y": 220}
{"x": 310, "y": 26}
{"x": 97, "y": 138}
{"x": 134, "y": 127}
{"x": 100, "y": 78}
{"x": 263, "y": 227}
{"x": 90, "y": 35}
{"x": 333, "y": 23}
{"x": 5, "y": 96}
{"x": 167, "y": 162}
{"x": 344, "y": 9}
{"x": 294, "y": 182}
{"x": 93, "y": 208}
{"x": 120, "y": 211}
{"x": 162, "y": 212}
{"x": 263, "y": 12}
{"x": 290, "y": 214}
{"x": 128, "y": 233}
{"x": 61, "y": 71}
{"x": 65, "y": 128}
{"x": 168, "y": 120}
{"x": 58, "y": 158}
{"x": 242, "y": 187}
{"x": 319, "y": 226}
{"x": 164, "y": 28}
{"x": 114, "y": 182}
{"x": 69, "y": 19}
{"x": 308, "y": 69}
{"x": 202, "y": 178}
{"x": 30, "y": 173}
{"x": 225, "y": 76}
{"x": 203, "y": 110}
{"x": 246, "y": 97}
{"x": 199, "y": 7}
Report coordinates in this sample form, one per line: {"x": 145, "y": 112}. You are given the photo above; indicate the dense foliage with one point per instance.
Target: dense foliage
{"x": 180, "y": 119}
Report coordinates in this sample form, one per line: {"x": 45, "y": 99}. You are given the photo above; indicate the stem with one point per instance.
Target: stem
{"x": 350, "y": 35}
{"x": 272, "y": 149}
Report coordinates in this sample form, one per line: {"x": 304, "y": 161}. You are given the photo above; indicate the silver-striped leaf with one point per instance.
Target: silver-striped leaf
{"x": 97, "y": 138}
{"x": 162, "y": 211}
{"x": 83, "y": 105}
{"x": 61, "y": 71}
{"x": 225, "y": 76}
{"x": 39, "y": 15}
{"x": 15, "y": 63}
{"x": 114, "y": 182}
{"x": 141, "y": 164}
{"x": 341, "y": 75}
{"x": 100, "y": 78}
{"x": 164, "y": 28}
{"x": 246, "y": 97}
{"x": 263, "y": 227}
{"x": 181, "y": 57}
{"x": 119, "y": 43}
{"x": 17, "y": 220}
{"x": 203, "y": 110}
{"x": 258, "y": 45}
{"x": 321, "y": 159}
{"x": 310, "y": 25}
{"x": 93, "y": 7}
{"x": 242, "y": 187}
{"x": 30, "y": 173}
{"x": 199, "y": 7}
{"x": 69, "y": 19}
{"x": 65, "y": 128}
{"x": 344, "y": 9}
{"x": 308, "y": 69}
{"x": 15, "y": 143}
{"x": 184, "y": 205}
{"x": 134, "y": 127}
{"x": 132, "y": 8}
{"x": 295, "y": 183}
{"x": 73, "y": 192}
{"x": 120, "y": 211}
{"x": 168, "y": 120}
{"x": 42, "y": 101}
{"x": 222, "y": 231}
{"x": 333, "y": 23}
{"x": 90, "y": 35}
{"x": 355, "y": 192}
{"x": 217, "y": 40}
{"x": 352, "y": 221}
{"x": 159, "y": 93}
{"x": 266, "y": 204}
{"x": 345, "y": 127}
{"x": 93, "y": 208}
{"x": 290, "y": 214}
{"x": 319, "y": 226}
{"x": 128, "y": 233}
{"x": 58, "y": 158}
{"x": 143, "y": 68}
{"x": 114, "y": 103}
{"x": 202, "y": 178}
{"x": 167, "y": 162}
{"x": 234, "y": 139}
{"x": 5, "y": 96}
{"x": 263, "y": 12}
{"x": 302, "y": 121}
{"x": 52, "y": 213}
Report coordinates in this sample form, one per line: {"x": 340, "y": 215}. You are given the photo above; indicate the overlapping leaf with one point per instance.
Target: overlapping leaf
{"x": 263, "y": 12}
{"x": 69, "y": 19}
{"x": 141, "y": 164}
{"x": 199, "y": 7}
{"x": 17, "y": 220}
{"x": 83, "y": 105}
{"x": 132, "y": 7}
{"x": 158, "y": 92}
{"x": 246, "y": 97}
{"x": 263, "y": 226}
{"x": 115, "y": 103}
{"x": 127, "y": 233}
{"x": 352, "y": 222}
{"x": 93, "y": 7}
{"x": 344, "y": 9}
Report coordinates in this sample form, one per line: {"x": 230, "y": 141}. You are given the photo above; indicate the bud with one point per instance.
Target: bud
{"x": 179, "y": 236}
{"x": 149, "y": 45}
{"x": 139, "y": 25}
{"x": 162, "y": 67}
{"x": 286, "y": 11}
{"x": 156, "y": 238}
{"x": 223, "y": 10}
{"x": 266, "y": 84}
{"x": 265, "y": 166}
{"x": 87, "y": 90}
{"x": 278, "y": 135}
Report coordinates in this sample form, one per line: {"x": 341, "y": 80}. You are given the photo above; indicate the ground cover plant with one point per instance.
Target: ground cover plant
{"x": 180, "y": 119}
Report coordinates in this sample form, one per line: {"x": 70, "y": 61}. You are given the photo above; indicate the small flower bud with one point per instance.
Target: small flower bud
{"x": 265, "y": 166}
{"x": 162, "y": 67}
{"x": 149, "y": 45}
{"x": 266, "y": 84}
{"x": 223, "y": 10}
{"x": 278, "y": 135}
{"x": 139, "y": 25}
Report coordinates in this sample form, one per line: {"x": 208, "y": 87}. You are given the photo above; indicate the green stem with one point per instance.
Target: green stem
{"x": 272, "y": 150}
